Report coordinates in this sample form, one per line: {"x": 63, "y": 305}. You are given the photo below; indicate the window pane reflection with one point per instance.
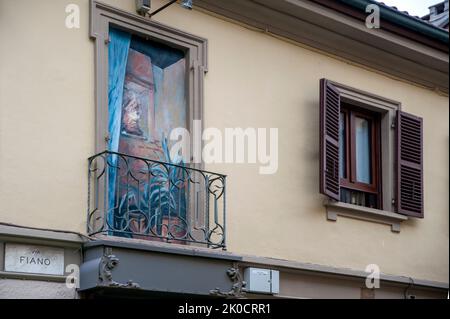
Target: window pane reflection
{"x": 363, "y": 161}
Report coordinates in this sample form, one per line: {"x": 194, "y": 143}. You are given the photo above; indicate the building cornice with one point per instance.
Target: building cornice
{"x": 392, "y": 49}
{"x": 402, "y": 19}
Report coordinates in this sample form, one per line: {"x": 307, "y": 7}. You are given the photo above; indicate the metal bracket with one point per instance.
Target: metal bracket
{"x": 394, "y": 124}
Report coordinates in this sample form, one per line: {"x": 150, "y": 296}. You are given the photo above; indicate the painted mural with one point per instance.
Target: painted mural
{"x": 147, "y": 100}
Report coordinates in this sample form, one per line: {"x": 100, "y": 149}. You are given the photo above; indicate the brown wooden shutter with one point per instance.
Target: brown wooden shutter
{"x": 409, "y": 165}
{"x": 329, "y": 140}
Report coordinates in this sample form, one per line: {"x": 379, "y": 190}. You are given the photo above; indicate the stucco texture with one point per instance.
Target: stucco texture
{"x": 30, "y": 289}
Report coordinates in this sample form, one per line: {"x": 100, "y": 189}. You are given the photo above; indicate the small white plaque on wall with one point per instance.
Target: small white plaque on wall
{"x": 34, "y": 259}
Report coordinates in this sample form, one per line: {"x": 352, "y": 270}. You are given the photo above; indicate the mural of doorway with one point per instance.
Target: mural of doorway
{"x": 146, "y": 101}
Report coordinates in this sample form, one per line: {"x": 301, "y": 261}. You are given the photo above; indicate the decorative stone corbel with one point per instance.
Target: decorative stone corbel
{"x": 238, "y": 288}
{"x": 107, "y": 265}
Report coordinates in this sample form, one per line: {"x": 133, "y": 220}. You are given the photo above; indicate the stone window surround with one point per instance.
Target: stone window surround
{"x": 388, "y": 110}
{"x": 103, "y": 16}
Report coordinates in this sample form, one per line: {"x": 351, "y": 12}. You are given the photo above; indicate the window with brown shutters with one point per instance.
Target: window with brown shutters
{"x": 409, "y": 165}
{"x": 329, "y": 140}
{"x": 353, "y": 137}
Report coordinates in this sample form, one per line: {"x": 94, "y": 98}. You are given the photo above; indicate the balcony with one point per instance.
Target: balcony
{"x": 145, "y": 199}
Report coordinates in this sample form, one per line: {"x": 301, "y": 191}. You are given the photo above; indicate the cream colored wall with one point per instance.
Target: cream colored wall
{"x": 254, "y": 80}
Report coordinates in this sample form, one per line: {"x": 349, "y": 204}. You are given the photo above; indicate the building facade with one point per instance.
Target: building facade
{"x": 352, "y": 116}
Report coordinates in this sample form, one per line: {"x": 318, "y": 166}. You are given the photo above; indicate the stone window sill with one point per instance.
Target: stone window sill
{"x": 335, "y": 209}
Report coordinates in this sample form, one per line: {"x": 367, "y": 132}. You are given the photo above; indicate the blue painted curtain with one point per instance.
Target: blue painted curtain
{"x": 118, "y": 54}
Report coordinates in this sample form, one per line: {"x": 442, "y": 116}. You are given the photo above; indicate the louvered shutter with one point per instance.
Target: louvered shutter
{"x": 329, "y": 140}
{"x": 409, "y": 165}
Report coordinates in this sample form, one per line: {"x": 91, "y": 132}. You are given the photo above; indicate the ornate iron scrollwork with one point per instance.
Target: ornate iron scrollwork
{"x": 107, "y": 265}
{"x": 155, "y": 200}
{"x": 238, "y": 288}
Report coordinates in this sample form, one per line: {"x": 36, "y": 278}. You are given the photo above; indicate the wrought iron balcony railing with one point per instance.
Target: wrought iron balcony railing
{"x": 140, "y": 198}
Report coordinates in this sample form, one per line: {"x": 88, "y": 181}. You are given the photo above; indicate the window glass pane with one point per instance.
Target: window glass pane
{"x": 363, "y": 160}
{"x": 342, "y": 147}
{"x": 358, "y": 198}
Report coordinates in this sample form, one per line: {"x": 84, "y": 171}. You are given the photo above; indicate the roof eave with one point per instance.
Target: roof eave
{"x": 401, "y": 19}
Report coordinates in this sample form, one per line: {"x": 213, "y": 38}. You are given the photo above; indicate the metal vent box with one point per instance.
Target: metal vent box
{"x": 264, "y": 281}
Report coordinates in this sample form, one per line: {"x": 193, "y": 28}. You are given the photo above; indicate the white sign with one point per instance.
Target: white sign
{"x": 34, "y": 259}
